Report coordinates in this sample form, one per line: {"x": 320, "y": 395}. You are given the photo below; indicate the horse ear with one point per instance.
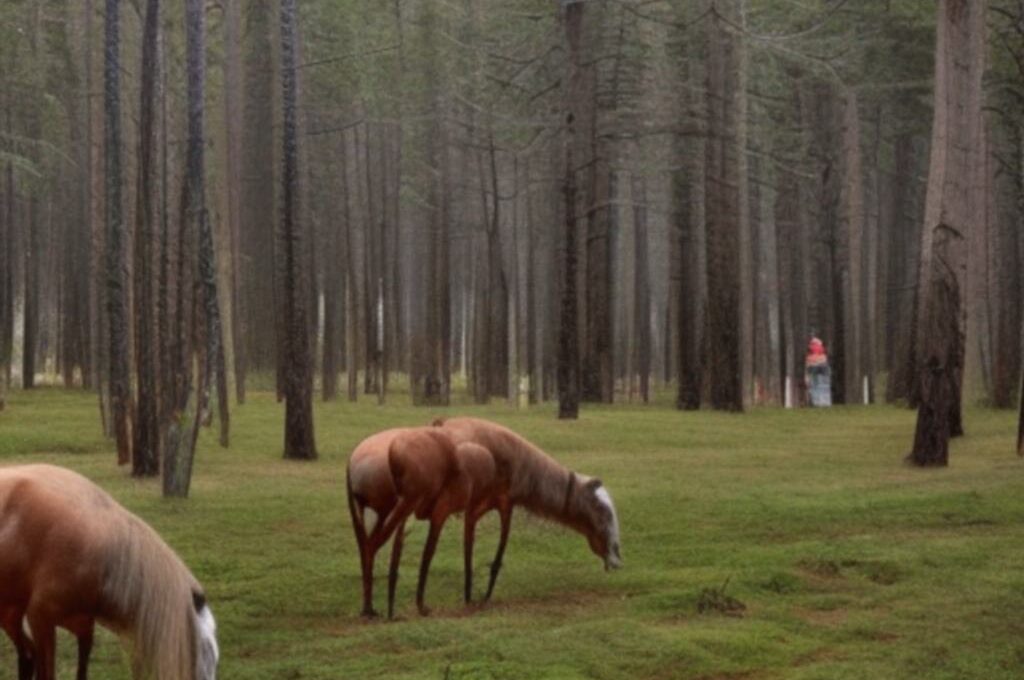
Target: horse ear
{"x": 198, "y": 601}
{"x": 594, "y": 484}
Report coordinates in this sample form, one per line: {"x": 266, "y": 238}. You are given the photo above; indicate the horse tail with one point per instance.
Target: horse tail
{"x": 153, "y": 591}
{"x": 353, "y": 509}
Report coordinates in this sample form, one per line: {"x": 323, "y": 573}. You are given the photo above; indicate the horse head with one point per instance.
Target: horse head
{"x": 207, "y": 651}
{"x": 601, "y": 522}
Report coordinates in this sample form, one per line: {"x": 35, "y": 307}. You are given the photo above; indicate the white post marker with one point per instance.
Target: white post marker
{"x": 789, "y": 392}
{"x": 867, "y": 392}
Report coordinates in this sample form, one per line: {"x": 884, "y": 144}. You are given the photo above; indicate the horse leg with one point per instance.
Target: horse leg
{"x": 436, "y": 524}
{"x": 468, "y": 537}
{"x": 377, "y": 538}
{"x": 44, "y": 638}
{"x": 365, "y": 553}
{"x": 23, "y": 646}
{"x": 505, "y": 513}
{"x": 365, "y": 563}
{"x": 396, "y": 558}
{"x": 84, "y": 652}
{"x": 26, "y": 669}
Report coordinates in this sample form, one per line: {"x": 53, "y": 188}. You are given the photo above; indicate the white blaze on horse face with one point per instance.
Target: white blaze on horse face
{"x": 612, "y": 560}
{"x": 208, "y": 653}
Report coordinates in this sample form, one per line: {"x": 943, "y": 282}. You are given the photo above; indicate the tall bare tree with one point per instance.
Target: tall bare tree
{"x": 6, "y": 281}
{"x": 727, "y": 221}
{"x": 298, "y": 375}
{"x": 180, "y": 453}
{"x": 949, "y": 220}
{"x": 233, "y": 108}
{"x": 568, "y": 337}
{"x": 146, "y": 450}
{"x": 117, "y": 280}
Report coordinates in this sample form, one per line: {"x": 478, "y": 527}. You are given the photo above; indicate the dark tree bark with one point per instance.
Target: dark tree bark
{"x": 352, "y": 306}
{"x": 850, "y": 250}
{"x": 298, "y": 387}
{"x": 1020, "y": 422}
{"x": 902, "y": 271}
{"x": 568, "y": 337}
{"x": 370, "y": 287}
{"x": 117, "y": 284}
{"x": 146, "y": 452}
{"x": 167, "y": 307}
{"x": 180, "y": 454}
{"x": 334, "y": 278}
{"x": 1009, "y": 284}
{"x": 498, "y": 356}
{"x": 689, "y": 306}
{"x": 95, "y": 191}
{"x": 233, "y": 102}
{"x": 724, "y": 217}
{"x": 257, "y": 269}
{"x": 642, "y": 289}
{"x": 6, "y": 282}
{"x": 950, "y": 214}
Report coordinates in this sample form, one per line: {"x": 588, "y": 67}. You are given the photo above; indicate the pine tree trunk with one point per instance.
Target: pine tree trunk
{"x": 568, "y": 337}
{"x": 950, "y": 218}
{"x": 146, "y": 452}
{"x": 691, "y": 252}
{"x": 497, "y": 312}
{"x": 298, "y": 439}
{"x": 642, "y": 288}
{"x": 257, "y": 270}
{"x": 6, "y": 282}
{"x": 117, "y": 284}
{"x": 30, "y": 289}
{"x": 902, "y": 273}
{"x": 725, "y": 244}
{"x": 1020, "y": 422}
{"x": 850, "y": 250}
{"x": 234, "y": 100}
{"x": 352, "y": 306}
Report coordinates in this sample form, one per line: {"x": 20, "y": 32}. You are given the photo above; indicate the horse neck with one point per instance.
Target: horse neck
{"x": 547, "y": 488}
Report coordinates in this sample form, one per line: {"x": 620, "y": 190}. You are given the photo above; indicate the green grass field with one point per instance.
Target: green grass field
{"x": 848, "y": 564}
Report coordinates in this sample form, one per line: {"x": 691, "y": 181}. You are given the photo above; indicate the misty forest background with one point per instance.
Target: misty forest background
{"x": 531, "y": 200}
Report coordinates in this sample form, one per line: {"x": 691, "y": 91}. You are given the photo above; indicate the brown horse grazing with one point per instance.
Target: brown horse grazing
{"x": 70, "y": 556}
{"x": 534, "y": 480}
{"x": 405, "y": 471}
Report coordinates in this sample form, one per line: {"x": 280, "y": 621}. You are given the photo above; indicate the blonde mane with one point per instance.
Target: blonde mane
{"x": 148, "y": 584}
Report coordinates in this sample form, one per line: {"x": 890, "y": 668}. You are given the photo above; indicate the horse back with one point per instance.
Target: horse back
{"x": 51, "y": 544}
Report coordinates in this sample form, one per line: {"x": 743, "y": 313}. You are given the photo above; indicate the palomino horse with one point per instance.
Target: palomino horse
{"x": 399, "y": 472}
{"x": 405, "y": 471}
{"x": 544, "y": 487}
{"x": 71, "y": 556}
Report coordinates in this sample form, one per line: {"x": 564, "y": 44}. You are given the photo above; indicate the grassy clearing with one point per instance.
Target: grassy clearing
{"x": 843, "y": 562}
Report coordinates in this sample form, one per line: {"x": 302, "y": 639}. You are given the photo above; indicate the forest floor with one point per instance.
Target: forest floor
{"x": 836, "y": 559}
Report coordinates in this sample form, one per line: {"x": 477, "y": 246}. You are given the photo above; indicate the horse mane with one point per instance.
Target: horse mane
{"x": 151, "y": 588}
